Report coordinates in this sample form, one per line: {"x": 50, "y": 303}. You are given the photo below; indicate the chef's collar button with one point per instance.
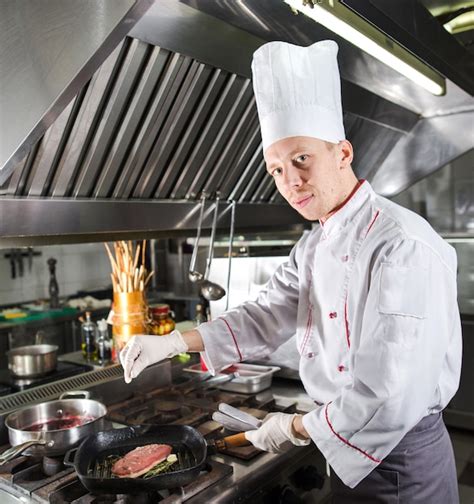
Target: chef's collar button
{"x": 341, "y": 368}
{"x": 310, "y": 355}
{"x": 345, "y": 258}
{"x": 333, "y": 314}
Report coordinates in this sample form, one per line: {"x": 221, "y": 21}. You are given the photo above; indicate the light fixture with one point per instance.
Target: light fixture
{"x": 348, "y": 25}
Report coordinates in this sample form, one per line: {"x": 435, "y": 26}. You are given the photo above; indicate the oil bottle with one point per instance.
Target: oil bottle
{"x": 88, "y": 342}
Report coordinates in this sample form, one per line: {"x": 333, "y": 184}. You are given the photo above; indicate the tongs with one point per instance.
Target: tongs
{"x": 208, "y": 381}
{"x": 234, "y": 419}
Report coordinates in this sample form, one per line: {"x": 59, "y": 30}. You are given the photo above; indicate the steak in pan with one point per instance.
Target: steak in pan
{"x": 140, "y": 460}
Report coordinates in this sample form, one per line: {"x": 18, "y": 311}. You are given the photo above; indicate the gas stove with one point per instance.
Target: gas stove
{"x": 243, "y": 474}
{"x": 10, "y": 384}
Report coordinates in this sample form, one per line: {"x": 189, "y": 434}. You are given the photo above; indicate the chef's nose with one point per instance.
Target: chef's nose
{"x": 293, "y": 177}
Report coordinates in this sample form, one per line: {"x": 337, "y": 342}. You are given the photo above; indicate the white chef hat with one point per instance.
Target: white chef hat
{"x": 298, "y": 91}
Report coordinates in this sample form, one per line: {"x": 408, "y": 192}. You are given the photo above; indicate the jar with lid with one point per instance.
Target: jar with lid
{"x": 162, "y": 320}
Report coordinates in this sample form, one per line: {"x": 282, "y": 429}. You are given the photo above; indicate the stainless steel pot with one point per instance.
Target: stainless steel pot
{"x": 52, "y": 442}
{"x": 32, "y": 360}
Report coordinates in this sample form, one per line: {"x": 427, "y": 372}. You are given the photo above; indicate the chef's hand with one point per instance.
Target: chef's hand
{"x": 276, "y": 434}
{"x": 142, "y": 351}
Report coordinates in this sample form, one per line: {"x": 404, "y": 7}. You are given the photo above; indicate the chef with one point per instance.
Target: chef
{"x": 370, "y": 294}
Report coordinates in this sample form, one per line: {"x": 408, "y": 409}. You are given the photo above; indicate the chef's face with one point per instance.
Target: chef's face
{"x": 312, "y": 175}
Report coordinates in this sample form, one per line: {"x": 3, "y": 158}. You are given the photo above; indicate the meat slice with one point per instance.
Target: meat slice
{"x": 140, "y": 460}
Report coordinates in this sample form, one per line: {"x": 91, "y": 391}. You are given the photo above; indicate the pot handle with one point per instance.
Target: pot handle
{"x": 84, "y": 394}
{"x": 69, "y": 457}
{"x": 14, "y": 451}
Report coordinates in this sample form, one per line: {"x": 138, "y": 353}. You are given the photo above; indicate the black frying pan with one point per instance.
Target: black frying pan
{"x": 188, "y": 444}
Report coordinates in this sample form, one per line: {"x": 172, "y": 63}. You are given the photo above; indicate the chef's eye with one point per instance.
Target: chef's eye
{"x": 302, "y": 158}
{"x": 276, "y": 172}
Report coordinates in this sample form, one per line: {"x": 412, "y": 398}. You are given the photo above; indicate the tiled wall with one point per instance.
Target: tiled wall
{"x": 83, "y": 266}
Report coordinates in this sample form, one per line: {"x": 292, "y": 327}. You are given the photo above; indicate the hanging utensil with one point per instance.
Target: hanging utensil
{"x": 231, "y": 241}
{"x": 193, "y": 274}
{"x": 210, "y": 290}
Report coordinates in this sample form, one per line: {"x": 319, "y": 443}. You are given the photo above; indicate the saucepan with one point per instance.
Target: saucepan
{"x": 33, "y": 360}
{"x": 93, "y": 468}
{"x": 52, "y": 428}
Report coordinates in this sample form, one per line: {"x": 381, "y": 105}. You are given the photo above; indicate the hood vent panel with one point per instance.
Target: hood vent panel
{"x": 151, "y": 124}
{"x": 154, "y": 124}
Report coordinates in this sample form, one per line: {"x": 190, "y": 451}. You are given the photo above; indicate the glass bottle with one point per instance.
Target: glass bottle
{"x": 199, "y": 317}
{"x": 88, "y": 333}
{"x": 103, "y": 342}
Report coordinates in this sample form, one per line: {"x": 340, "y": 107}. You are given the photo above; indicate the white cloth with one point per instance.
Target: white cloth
{"x": 276, "y": 434}
{"x": 142, "y": 351}
{"x": 298, "y": 91}
{"x": 372, "y": 297}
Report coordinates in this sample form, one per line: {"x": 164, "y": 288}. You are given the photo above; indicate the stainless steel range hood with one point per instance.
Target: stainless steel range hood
{"x": 48, "y": 50}
{"x": 171, "y": 113}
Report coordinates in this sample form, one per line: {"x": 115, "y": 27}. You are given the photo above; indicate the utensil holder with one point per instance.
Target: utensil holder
{"x": 130, "y": 317}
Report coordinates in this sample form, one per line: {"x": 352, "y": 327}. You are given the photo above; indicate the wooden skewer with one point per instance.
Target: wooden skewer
{"x": 114, "y": 283}
{"x": 135, "y": 280}
{"x": 124, "y": 282}
{"x": 137, "y": 255}
{"x": 127, "y": 275}
{"x": 149, "y": 277}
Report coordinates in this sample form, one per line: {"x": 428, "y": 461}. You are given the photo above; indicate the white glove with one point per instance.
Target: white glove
{"x": 142, "y": 351}
{"x": 276, "y": 434}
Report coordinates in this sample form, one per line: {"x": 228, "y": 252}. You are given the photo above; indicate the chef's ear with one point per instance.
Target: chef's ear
{"x": 346, "y": 153}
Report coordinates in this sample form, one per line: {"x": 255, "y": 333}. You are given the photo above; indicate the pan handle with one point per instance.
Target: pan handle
{"x": 84, "y": 394}
{"x": 69, "y": 457}
{"x": 231, "y": 441}
{"x": 236, "y": 440}
{"x": 14, "y": 451}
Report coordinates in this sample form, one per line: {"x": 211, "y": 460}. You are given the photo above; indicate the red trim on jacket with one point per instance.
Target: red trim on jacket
{"x": 336, "y": 209}
{"x": 345, "y": 441}
{"x": 347, "y": 325}
{"x": 372, "y": 223}
{"x": 233, "y": 337}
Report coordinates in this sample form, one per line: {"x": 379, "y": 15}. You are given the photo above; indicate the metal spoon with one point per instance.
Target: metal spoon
{"x": 210, "y": 290}
{"x": 231, "y": 241}
{"x": 193, "y": 274}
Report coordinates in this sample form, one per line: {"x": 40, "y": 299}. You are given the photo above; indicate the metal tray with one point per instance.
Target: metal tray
{"x": 252, "y": 377}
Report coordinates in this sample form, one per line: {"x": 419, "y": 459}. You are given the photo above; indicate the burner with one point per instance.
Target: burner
{"x": 63, "y": 370}
{"x": 168, "y": 406}
{"x": 52, "y": 465}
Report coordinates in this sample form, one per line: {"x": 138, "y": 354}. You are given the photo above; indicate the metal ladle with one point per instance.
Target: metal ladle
{"x": 193, "y": 274}
{"x": 231, "y": 241}
{"x": 210, "y": 290}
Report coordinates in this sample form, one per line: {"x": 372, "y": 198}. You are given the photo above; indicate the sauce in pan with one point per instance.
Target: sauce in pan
{"x": 65, "y": 422}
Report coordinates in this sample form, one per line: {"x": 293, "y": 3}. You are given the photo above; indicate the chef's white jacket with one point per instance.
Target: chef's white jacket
{"x": 372, "y": 297}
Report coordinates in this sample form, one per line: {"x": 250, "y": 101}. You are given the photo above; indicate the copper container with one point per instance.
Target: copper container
{"x": 130, "y": 318}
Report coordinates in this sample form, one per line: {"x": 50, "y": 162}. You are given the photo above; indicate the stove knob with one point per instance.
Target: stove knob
{"x": 288, "y": 496}
{"x": 282, "y": 495}
{"x": 307, "y": 478}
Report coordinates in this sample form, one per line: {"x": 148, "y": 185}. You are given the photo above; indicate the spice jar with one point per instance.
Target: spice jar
{"x": 162, "y": 321}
